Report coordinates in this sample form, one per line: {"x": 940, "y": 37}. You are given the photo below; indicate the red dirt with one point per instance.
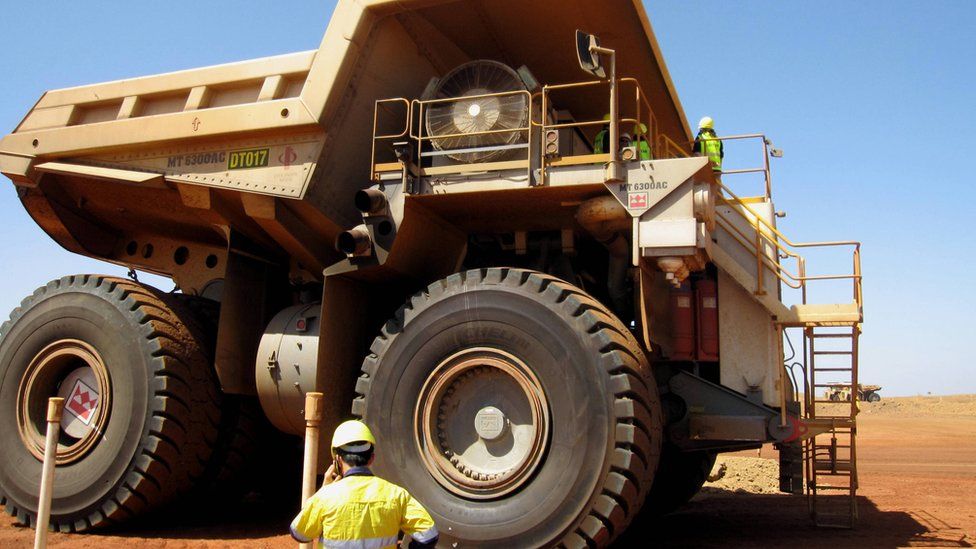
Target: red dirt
{"x": 917, "y": 472}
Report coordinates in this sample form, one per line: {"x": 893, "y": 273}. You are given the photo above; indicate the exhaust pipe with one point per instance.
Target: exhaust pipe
{"x": 370, "y": 201}
{"x": 355, "y": 241}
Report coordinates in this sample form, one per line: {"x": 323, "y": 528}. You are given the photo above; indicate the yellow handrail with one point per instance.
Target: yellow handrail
{"x": 661, "y": 145}
{"x": 376, "y": 113}
{"x": 766, "y": 233}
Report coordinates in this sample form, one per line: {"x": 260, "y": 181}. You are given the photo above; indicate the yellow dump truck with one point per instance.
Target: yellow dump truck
{"x": 413, "y": 220}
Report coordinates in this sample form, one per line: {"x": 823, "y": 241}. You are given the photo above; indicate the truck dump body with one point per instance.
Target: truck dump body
{"x": 111, "y": 168}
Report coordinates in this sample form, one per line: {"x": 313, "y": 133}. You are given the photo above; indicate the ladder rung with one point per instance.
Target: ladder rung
{"x": 821, "y": 401}
{"x": 830, "y": 487}
{"x": 849, "y": 369}
{"x": 845, "y": 521}
{"x": 823, "y": 385}
{"x": 848, "y": 418}
{"x": 824, "y": 465}
{"x": 833, "y": 352}
{"x": 829, "y": 336}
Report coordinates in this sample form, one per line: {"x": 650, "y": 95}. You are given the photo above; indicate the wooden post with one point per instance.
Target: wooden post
{"x": 55, "y": 406}
{"x": 313, "y": 418}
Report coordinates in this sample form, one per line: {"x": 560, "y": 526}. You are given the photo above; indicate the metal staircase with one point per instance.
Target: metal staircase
{"x": 749, "y": 247}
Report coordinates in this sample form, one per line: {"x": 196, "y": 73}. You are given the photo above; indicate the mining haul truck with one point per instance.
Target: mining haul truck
{"x": 547, "y": 338}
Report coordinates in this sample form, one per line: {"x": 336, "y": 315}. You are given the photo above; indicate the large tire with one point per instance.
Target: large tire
{"x": 601, "y": 426}
{"x": 158, "y": 411}
{"x": 679, "y": 477}
{"x": 873, "y": 397}
{"x": 238, "y": 425}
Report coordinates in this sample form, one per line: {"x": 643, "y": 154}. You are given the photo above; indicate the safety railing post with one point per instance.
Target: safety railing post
{"x": 313, "y": 420}
{"x": 769, "y": 179}
{"x": 759, "y": 262}
{"x": 55, "y": 407}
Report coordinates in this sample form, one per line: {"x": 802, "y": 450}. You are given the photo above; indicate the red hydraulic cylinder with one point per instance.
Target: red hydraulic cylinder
{"x": 706, "y": 317}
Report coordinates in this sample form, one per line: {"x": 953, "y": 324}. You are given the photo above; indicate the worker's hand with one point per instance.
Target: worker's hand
{"x": 331, "y": 475}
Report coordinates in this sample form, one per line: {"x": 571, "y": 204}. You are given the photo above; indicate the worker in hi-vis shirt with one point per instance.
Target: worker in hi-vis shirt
{"x": 708, "y": 144}
{"x": 355, "y": 509}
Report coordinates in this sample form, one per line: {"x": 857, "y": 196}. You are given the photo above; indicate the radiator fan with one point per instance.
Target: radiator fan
{"x": 470, "y": 116}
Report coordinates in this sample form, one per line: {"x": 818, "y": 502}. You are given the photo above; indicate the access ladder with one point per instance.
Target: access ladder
{"x": 830, "y": 457}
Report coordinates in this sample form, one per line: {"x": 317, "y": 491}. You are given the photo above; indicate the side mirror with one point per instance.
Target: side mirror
{"x": 589, "y": 60}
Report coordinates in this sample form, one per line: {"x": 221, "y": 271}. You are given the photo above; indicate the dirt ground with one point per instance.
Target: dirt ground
{"x": 917, "y": 463}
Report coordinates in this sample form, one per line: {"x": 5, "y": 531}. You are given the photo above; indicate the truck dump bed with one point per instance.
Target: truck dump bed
{"x": 165, "y": 172}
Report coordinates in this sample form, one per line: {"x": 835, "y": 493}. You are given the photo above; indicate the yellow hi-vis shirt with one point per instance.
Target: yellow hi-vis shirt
{"x": 360, "y": 511}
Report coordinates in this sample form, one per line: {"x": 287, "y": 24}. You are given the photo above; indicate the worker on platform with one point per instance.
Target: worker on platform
{"x": 643, "y": 145}
{"x": 601, "y": 144}
{"x": 356, "y": 509}
{"x": 708, "y": 144}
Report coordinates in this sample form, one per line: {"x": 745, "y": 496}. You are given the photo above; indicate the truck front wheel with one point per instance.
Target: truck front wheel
{"x": 139, "y": 406}
{"x": 516, "y": 408}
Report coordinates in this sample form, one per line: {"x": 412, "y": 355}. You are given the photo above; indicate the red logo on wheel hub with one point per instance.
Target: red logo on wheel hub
{"x": 82, "y": 402}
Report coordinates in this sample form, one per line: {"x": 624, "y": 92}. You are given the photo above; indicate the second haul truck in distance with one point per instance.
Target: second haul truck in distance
{"x": 413, "y": 219}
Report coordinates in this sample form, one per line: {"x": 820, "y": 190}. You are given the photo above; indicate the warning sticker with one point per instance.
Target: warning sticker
{"x": 82, "y": 402}
{"x": 636, "y": 201}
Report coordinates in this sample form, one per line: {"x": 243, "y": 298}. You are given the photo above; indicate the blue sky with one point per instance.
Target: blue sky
{"x": 871, "y": 102}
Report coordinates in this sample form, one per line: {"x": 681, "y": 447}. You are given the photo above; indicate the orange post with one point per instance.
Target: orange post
{"x": 313, "y": 418}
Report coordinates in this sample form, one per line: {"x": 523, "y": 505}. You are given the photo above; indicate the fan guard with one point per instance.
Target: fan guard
{"x": 478, "y": 115}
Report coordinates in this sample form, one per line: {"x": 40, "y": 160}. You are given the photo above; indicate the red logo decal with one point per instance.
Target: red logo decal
{"x": 636, "y": 201}
{"x": 82, "y": 402}
{"x": 288, "y": 157}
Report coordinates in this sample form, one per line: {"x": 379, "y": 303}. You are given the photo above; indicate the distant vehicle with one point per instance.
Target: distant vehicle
{"x": 840, "y": 392}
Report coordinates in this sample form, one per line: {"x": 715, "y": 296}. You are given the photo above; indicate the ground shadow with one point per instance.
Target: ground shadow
{"x": 722, "y": 519}
{"x": 253, "y": 515}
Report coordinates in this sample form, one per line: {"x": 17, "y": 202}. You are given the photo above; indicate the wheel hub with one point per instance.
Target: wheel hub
{"x": 74, "y": 371}
{"x": 482, "y": 423}
{"x": 490, "y": 423}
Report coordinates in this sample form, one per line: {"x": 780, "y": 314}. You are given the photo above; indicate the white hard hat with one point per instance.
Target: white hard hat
{"x": 706, "y": 123}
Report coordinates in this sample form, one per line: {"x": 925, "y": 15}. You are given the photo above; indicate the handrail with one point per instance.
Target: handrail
{"x": 421, "y": 104}
{"x": 376, "y": 113}
{"x": 765, "y": 156}
{"x": 768, "y": 235}
{"x": 661, "y": 145}
{"x": 642, "y": 114}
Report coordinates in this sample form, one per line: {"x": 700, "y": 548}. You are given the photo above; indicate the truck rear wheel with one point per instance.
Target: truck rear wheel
{"x": 516, "y": 408}
{"x": 139, "y": 401}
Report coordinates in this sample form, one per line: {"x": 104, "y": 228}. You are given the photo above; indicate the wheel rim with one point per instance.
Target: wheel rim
{"x": 482, "y": 423}
{"x": 73, "y": 370}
